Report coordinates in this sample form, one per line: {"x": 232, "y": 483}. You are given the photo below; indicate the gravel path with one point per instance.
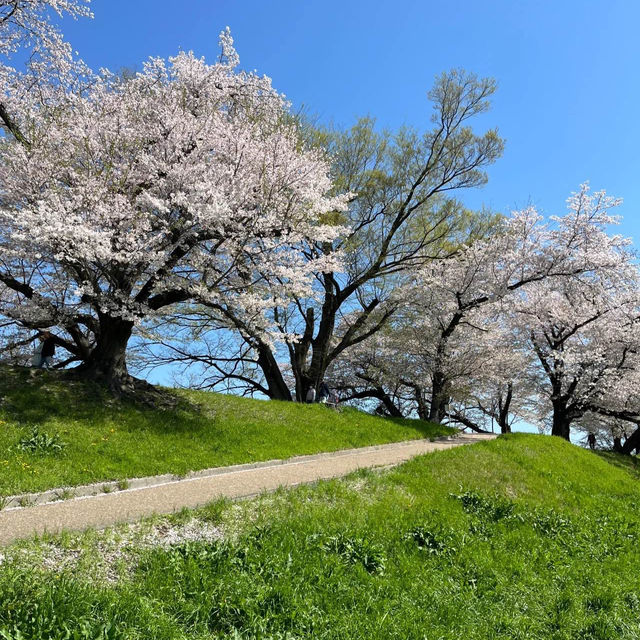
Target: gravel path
{"x": 166, "y": 494}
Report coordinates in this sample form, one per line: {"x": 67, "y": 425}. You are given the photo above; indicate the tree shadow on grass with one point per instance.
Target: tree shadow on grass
{"x": 34, "y": 397}
{"x": 628, "y": 463}
{"x": 427, "y": 429}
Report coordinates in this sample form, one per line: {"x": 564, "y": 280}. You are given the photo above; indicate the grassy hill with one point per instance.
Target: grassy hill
{"x": 82, "y": 435}
{"x": 525, "y": 537}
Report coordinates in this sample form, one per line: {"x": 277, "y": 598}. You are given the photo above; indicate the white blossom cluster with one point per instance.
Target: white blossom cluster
{"x": 186, "y": 181}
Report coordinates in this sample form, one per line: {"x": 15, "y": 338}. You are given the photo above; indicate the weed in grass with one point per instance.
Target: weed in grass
{"x": 41, "y": 442}
{"x": 599, "y": 602}
{"x": 492, "y": 508}
{"x": 551, "y": 524}
{"x": 632, "y": 600}
{"x": 432, "y": 541}
{"x": 67, "y": 493}
{"x": 26, "y": 501}
{"x": 186, "y": 558}
{"x": 357, "y": 550}
{"x": 213, "y": 512}
{"x": 4, "y": 501}
{"x": 479, "y": 530}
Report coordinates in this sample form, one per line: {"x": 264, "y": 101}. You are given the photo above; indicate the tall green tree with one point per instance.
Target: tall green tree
{"x": 403, "y": 213}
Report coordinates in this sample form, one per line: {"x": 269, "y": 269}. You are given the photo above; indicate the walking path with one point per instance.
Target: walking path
{"x": 166, "y": 494}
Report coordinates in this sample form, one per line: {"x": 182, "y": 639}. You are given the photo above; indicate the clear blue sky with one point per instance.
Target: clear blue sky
{"x": 568, "y": 73}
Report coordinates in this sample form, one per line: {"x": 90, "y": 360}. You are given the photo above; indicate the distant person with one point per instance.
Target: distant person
{"x": 311, "y": 395}
{"x": 36, "y": 358}
{"x": 48, "y": 350}
{"x": 591, "y": 439}
{"x": 325, "y": 392}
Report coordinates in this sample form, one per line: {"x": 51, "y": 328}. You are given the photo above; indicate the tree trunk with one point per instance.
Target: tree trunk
{"x": 504, "y": 405}
{"x": 276, "y": 385}
{"x": 631, "y": 443}
{"x": 423, "y": 410}
{"x": 389, "y": 404}
{"x": 439, "y": 382}
{"x": 561, "y": 425}
{"x": 505, "y": 428}
{"x": 439, "y": 397}
{"x": 313, "y": 375}
{"x": 107, "y": 361}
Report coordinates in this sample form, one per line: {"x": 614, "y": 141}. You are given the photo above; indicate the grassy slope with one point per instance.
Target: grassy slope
{"x": 542, "y": 545}
{"x": 106, "y": 440}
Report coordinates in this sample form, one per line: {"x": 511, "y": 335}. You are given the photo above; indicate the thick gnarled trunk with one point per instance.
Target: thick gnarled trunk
{"x": 309, "y": 375}
{"x": 439, "y": 381}
{"x": 107, "y": 362}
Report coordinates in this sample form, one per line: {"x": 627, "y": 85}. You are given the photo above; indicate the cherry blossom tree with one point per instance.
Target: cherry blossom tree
{"x": 454, "y": 342}
{"x": 584, "y": 341}
{"x": 25, "y": 25}
{"x": 484, "y": 371}
{"x": 583, "y": 328}
{"x": 184, "y": 182}
{"x": 497, "y": 391}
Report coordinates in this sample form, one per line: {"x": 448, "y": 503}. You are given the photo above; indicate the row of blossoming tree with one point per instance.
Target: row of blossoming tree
{"x": 538, "y": 321}
{"x": 184, "y": 211}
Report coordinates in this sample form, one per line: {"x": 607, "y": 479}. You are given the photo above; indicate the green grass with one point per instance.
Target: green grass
{"x": 525, "y": 537}
{"x": 57, "y": 433}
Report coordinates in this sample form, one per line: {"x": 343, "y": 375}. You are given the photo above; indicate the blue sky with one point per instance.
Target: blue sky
{"x": 567, "y": 72}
